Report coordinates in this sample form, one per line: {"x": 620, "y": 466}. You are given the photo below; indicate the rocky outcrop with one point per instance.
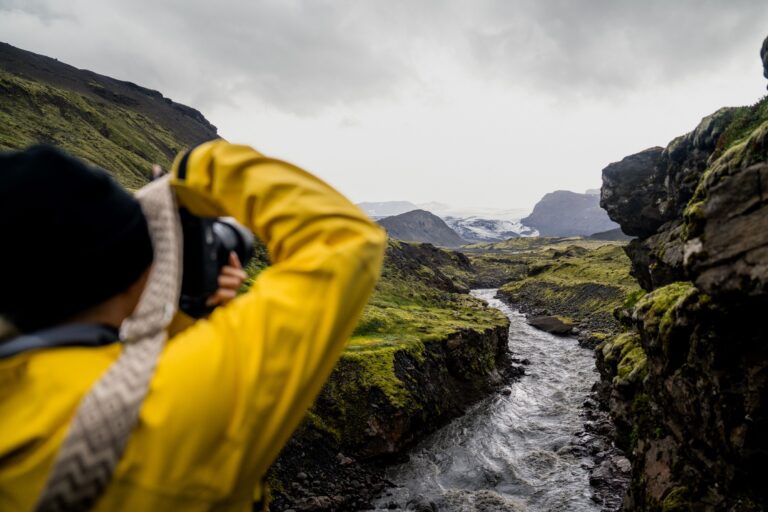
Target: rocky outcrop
{"x": 421, "y": 226}
{"x": 565, "y": 213}
{"x": 687, "y": 383}
{"x": 631, "y": 191}
{"x": 764, "y": 56}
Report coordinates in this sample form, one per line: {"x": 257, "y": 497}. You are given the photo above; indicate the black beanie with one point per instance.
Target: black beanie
{"x": 71, "y": 237}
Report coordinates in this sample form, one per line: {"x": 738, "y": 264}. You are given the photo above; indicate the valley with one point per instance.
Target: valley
{"x": 602, "y": 352}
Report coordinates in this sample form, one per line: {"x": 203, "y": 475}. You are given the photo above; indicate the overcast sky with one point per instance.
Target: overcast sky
{"x": 473, "y": 103}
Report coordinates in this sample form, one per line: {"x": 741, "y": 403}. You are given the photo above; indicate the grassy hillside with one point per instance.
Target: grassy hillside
{"x": 116, "y": 125}
{"x": 420, "y": 301}
{"x": 581, "y": 280}
{"x": 414, "y": 303}
{"x": 121, "y": 141}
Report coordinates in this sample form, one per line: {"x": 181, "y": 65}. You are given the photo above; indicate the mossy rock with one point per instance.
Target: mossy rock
{"x": 676, "y": 500}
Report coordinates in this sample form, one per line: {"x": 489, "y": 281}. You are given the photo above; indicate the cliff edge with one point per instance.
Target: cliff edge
{"x": 687, "y": 381}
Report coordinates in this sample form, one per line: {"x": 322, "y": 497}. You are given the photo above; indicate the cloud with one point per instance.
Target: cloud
{"x": 305, "y": 56}
{"x": 295, "y": 55}
{"x": 598, "y": 47}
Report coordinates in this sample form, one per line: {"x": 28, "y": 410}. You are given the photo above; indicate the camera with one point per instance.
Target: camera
{"x": 207, "y": 245}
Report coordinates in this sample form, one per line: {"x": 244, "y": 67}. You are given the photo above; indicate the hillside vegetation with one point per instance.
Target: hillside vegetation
{"x": 119, "y": 126}
{"x": 415, "y": 303}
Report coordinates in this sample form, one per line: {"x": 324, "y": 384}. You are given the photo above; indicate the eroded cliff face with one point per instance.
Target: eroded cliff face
{"x": 687, "y": 381}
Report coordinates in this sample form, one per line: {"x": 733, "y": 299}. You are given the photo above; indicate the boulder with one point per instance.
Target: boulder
{"x": 551, "y": 324}
{"x": 631, "y": 190}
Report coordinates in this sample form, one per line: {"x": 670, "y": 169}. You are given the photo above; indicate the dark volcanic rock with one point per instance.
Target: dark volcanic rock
{"x": 631, "y": 191}
{"x": 729, "y": 255}
{"x": 421, "y": 226}
{"x": 564, "y": 213}
{"x": 687, "y": 384}
{"x": 550, "y": 324}
{"x": 764, "y": 56}
{"x": 653, "y": 267}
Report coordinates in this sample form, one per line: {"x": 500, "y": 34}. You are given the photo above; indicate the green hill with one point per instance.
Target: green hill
{"x": 119, "y": 126}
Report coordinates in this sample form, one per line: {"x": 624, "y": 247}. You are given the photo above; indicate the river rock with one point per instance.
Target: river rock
{"x": 551, "y": 324}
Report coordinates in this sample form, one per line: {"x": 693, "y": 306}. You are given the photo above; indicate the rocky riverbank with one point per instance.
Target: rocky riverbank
{"x": 687, "y": 381}
{"x": 581, "y": 285}
{"x": 359, "y": 424}
{"x": 424, "y": 351}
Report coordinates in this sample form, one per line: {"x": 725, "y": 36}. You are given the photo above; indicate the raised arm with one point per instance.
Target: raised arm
{"x": 256, "y": 364}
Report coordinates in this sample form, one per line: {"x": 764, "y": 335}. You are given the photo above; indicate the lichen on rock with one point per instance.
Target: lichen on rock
{"x": 696, "y": 420}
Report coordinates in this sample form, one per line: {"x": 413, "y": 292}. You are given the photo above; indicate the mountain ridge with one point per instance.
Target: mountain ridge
{"x": 566, "y": 213}
{"x": 421, "y": 226}
{"x": 117, "y": 125}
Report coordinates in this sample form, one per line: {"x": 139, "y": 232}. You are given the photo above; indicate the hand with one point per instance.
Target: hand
{"x": 231, "y": 278}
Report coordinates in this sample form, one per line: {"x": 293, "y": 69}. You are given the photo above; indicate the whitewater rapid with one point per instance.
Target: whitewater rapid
{"x": 515, "y": 450}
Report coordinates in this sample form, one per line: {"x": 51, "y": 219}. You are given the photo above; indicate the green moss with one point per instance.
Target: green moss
{"x": 676, "y": 500}
{"x": 658, "y": 308}
{"x": 377, "y": 370}
{"x": 584, "y": 284}
{"x": 632, "y": 299}
{"x": 119, "y": 140}
{"x": 633, "y": 366}
{"x": 407, "y": 308}
{"x": 742, "y": 122}
{"x": 626, "y": 358}
{"x": 318, "y": 422}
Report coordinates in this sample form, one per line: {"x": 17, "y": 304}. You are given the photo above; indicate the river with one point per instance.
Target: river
{"x": 515, "y": 450}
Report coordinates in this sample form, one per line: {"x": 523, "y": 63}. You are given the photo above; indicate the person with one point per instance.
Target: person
{"x": 228, "y": 390}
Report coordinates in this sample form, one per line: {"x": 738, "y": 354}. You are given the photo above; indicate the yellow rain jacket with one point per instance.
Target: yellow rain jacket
{"x": 228, "y": 391}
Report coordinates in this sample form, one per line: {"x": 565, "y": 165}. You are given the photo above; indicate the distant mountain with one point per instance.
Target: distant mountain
{"x": 421, "y": 226}
{"x": 387, "y": 208}
{"x": 476, "y": 229}
{"x": 565, "y": 213}
{"x": 119, "y": 126}
{"x": 613, "y": 235}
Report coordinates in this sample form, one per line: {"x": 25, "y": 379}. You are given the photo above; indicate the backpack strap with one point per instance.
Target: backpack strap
{"x": 109, "y": 412}
{"x": 100, "y": 431}
{"x": 74, "y": 335}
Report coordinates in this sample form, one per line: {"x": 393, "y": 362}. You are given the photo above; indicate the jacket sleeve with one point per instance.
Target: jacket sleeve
{"x": 272, "y": 348}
